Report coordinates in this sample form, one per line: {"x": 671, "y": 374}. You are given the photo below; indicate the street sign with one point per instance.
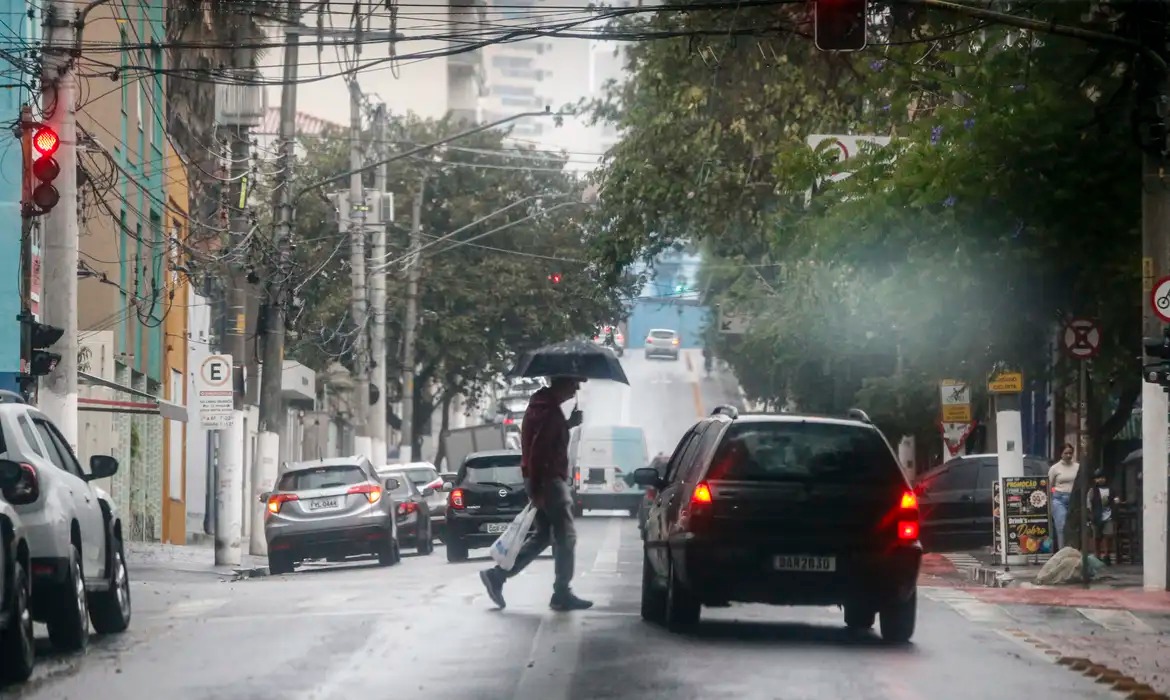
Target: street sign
{"x": 955, "y": 434}
{"x": 955, "y": 398}
{"x": 1082, "y": 339}
{"x": 1006, "y": 383}
{"x": 214, "y": 392}
{"x": 732, "y": 323}
{"x": 1160, "y": 299}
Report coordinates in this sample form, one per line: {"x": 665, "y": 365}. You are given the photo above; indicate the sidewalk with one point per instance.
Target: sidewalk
{"x": 192, "y": 558}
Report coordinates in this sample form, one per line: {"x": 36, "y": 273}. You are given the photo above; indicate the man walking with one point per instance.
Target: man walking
{"x": 544, "y": 444}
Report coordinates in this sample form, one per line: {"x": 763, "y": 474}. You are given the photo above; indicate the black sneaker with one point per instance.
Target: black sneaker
{"x": 495, "y": 587}
{"x": 567, "y": 602}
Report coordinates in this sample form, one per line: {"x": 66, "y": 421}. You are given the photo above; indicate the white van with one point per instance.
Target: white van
{"x": 603, "y": 460}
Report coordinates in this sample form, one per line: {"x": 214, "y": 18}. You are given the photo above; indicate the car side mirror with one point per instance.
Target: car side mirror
{"x": 428, "y": 492}
{"x": 102, "y": 466}
{"x": 392, "y": 484}
{"x": 646, "y": 476}
{"x": 448, "y": 487}
{"x": 265, "y": 496}
{"x": 10, "y": 473}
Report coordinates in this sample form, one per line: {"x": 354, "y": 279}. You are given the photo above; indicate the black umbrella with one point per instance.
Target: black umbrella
{"x": 572, "y": 358}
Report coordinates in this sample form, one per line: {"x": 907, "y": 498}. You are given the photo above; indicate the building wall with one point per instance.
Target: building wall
{"x": 175, "y": 351}
{"x": 19, "y": 29}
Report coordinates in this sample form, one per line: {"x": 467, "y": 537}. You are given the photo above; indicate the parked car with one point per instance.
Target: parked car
{"x": 72, "y": 528}
{"x": 782, "y": 509}
{"x": 662, "y": 342}
{"x": 487, "y": 495}
{"x": 954, "y": 499}
{"x": 330, "y": 508}
{"x": 425, "y": 478}
{"x": 17, "y": 647}
{"x": 411, "y": 512}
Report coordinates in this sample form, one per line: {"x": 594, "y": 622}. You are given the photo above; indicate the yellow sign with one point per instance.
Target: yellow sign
{"x": 1006, "y": 383}
{"x": 956, "y": 413}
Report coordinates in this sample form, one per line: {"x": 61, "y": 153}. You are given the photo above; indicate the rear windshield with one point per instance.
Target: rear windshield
{"x": 322, "y": 478}
{"x": 421, "y": 475}
{"x": 493, "y": 470}
{"x": 661, "y": 334}
{"x": 819, "y": 452}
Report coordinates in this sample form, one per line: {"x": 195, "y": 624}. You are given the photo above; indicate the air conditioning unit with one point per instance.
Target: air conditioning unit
{"x": 241, "y": 99}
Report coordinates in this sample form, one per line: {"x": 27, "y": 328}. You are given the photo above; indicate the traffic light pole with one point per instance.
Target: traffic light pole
{"x": 377, "y": 414}
{"x": 357, "y": 265}
{"x": 410, "y": 329}
{"x": 59, "y": 254}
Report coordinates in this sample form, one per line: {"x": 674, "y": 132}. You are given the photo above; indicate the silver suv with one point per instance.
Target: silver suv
{"x": 329, "y": 509}
{"x": 73, "y": 530}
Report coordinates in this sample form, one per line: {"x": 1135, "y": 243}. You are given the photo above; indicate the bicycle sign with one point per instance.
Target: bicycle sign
{"x": 1160, "y": 299}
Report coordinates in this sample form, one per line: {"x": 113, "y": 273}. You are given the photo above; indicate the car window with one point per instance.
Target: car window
{"x": 662, "y": 334}
{"x": 30, "y": 435}
{"x": 817, "y": 452}
{"x": 59, "y": 452}
{"x": 686, "y": 460}
{"x": 957, "y": 475}
{"x": 404, "y": 488}
{"x": 322, "y": 478}
{"x": 421, "y": 476}
{"x": 504, "y": 469}
{"x": 676, "y": 458}
{"x": 987, "y": 474}
{"x": 706, "y": 443}
{"x": 1035, "y": 467}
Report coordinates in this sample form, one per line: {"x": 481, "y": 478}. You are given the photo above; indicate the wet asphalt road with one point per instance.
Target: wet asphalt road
{"x": 425, "y": 629}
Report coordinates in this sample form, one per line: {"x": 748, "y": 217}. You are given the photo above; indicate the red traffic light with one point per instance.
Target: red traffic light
{"x": 45, "y": 141}
{"x": 555, "y": 278}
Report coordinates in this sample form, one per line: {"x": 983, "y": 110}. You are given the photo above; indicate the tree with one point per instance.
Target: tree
{"x": 484, "y": 293}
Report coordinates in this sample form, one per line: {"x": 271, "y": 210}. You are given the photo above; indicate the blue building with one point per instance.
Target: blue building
{"x": 670, "y": 299}
{"x": 21, "y": 32}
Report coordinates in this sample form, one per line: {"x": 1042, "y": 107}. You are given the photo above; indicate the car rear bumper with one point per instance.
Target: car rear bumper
{"x": 469, "y": 529}
{"x": 664, "y": 352}
{"x": 721, "y": 573}
{"x": 362, "y": 539}
{"x": 609, "y": 501}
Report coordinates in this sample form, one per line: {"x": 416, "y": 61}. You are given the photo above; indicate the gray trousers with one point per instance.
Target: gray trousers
{"x": 554, "y": 525}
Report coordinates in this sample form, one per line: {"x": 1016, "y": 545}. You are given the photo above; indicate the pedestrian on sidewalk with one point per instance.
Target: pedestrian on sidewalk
{"x": 544, "y": 446}
{"x": 1062, "y": 476}
{"x": 1101, "y": 510}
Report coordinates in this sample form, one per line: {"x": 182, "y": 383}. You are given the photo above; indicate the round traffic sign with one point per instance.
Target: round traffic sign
{"x": 216, "y": 370}
{"x": 1082, "y": 339}
{"x": 1160, "y": 299}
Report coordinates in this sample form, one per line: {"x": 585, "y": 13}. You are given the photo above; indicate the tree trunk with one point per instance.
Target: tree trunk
{"x": 444, "y": 425}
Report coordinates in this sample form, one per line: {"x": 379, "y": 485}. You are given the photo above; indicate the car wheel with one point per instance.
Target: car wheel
{"x": 388, "y": 553}
{"x": 17, "y": 646}
{"x": 653, "y": 598}
{"x": 280, "y": 563}
{"x": 858, "y": 617}
{"x": 109, "y": 610}
{"x": 682, "y": 608}
{"x": 897, "y": 620}
{"x": 456, "y": 550}
{"x": 69, "y": 623}
{"x": 634, "y": 512}
{"x": 426, "y": 542}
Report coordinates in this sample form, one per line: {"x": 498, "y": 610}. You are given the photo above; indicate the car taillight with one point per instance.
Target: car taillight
{"x": 455, "y": 500}
{"x": 674, "y": 341}
{"x": 650, "y": 493}
{"x": 577, "y": 474}
{"x": 276, "y": 500}
{"x": 509, "y": 421}
{"x": 407, "y": 508}
{"x": 372, "y": 492}
{"x": 701, "y": 494}
{"x": 908, "y": 517}
{"x": 27, "y": 489}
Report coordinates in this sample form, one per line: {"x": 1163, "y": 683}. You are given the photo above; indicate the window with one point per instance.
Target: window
{"x": 805, "y": 451}
{"x": 420, "y": 477}
{"x": 707, "y": 442}
{"x": 662, "y": 335}
{"x": 59, "y": 452}
{"x": 322, "y": 478}
{"x": 988, "y": 472}
{"x": 30, "y": 435}
{"x": 403, "y": 484}
{"x": 679, "y": 455}
{"x": 504, "y": 469}
{"x": 514, "y": 91}
{"x": 512, "y": 61}
{"x": 956, "y": 475}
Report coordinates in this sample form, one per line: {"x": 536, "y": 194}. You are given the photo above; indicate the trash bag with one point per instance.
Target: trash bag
{"x": 1065, "y": 567}
{"x": 507, "y": 546}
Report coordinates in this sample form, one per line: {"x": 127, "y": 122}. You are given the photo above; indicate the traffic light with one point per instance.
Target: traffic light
{"x": 840, "y": 25}
{"x": 555, "y": 278}
{"x": 1158, "y": 372}
{"x": 40, "y": 144}
{"x": 36, "y": 360}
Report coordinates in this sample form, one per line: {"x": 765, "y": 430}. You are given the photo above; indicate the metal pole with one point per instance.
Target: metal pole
{"x": 411, "y": 324}
{"x": 357, "y": 258}
{"x": 1155, "y": 407}
{"x": 272, "y": 413}
{"x": 377, "y": 415}
{"x": 229, "y": 486}
{"x": 59, "y": 254}
{"x": 1086, "y": 461}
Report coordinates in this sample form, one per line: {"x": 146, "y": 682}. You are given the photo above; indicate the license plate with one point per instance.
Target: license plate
{"x": 596, "y": 476}
{"x": 804, "y": 562}
{"x": 323, "y": 504}
{"x": 495, "y": 528}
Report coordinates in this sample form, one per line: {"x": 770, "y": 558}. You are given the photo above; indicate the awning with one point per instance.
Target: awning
{"x": 151, "y": 405}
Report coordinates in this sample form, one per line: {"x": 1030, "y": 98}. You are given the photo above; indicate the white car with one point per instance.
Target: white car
{"x": 73, "y": 530}
{"x": 17, "y": 646}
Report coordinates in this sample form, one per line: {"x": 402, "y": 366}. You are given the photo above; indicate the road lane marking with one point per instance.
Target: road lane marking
{"x": 1116, "y": 620}
{"x": 552, "y": 660}
{"x": 196, "y": 608}
{"x": 687, "y": 357}
{"x": 607, "y": 553}
{"x": 698, "y": 399}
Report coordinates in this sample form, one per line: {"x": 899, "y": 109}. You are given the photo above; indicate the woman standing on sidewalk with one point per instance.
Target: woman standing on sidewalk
{"x": 1062, "y": 476}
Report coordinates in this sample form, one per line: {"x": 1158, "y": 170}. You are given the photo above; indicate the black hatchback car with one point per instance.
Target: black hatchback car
{"x": 487, "y": 495}
{"x": 785, "y": 510}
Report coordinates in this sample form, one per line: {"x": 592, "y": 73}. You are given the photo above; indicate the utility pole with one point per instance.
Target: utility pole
{"x": 1155, "y": 406}
{"x": 272, "y": 414}
{"x": 59, "y": 255}
{"x": 411, "y": 325}
{"x": 377, "y": 414}
{"x": 357, "y": 260}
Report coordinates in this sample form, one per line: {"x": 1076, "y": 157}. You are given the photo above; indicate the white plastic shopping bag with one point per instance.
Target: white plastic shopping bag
{"x": 505, "y": 549}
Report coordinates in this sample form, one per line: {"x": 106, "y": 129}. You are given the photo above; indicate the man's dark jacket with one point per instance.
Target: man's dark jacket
{"x": 544, "y": 440}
